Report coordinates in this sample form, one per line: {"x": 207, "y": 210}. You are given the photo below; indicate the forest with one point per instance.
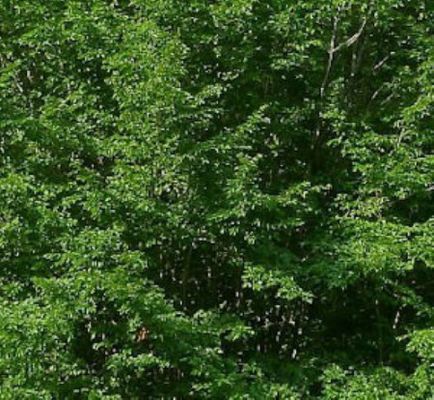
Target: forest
{"x": 216, "y": 199}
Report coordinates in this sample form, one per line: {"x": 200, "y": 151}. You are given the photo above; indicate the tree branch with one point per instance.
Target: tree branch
{"x": 353, "y": 39}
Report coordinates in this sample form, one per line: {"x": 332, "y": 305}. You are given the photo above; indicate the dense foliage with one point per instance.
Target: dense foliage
{"x": 216, "y": 199}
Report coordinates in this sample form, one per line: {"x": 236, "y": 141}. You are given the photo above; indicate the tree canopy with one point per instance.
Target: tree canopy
{"x": 216, "y": 199}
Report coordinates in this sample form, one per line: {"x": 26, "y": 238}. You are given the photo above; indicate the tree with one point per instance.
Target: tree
{"x": 212, "y": 199}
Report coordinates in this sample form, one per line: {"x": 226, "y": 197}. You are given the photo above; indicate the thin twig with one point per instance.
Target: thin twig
{"x": 382, "y": 62}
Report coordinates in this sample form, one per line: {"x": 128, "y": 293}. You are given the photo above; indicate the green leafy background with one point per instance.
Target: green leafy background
{"x": 216, "y": 199}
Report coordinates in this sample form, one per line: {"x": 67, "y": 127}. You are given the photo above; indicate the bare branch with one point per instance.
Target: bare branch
{"x": 331, "y": 56}
{"x": 353, "y": 39}
{"x": 376, "y": 93}
{"x": 382, "y": 62}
